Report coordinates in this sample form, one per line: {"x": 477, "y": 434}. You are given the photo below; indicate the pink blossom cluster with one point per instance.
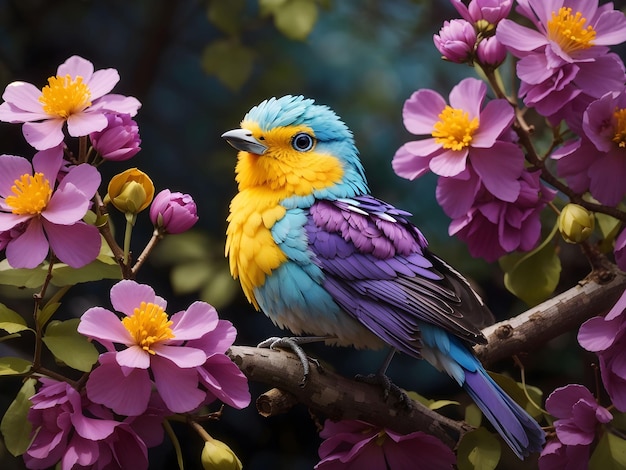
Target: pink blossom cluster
{"x": 154, "y": 366}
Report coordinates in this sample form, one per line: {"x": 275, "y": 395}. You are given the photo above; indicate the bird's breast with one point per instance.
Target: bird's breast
{"x": 253, "y": 254}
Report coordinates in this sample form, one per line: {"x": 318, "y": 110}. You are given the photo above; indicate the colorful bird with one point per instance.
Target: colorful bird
{"x": 321, "y": 256}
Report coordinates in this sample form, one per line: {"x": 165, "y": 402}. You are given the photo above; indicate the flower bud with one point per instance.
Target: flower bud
{"x": 119, "y": 140}
{"x": 456, "y": 41}
{"x": 130, "y": 191}
{"x": 490, "y": 52}
{"x": 173, "y": 212}
{"x": 576, "y": 223}
{"x": 218, "y": 456}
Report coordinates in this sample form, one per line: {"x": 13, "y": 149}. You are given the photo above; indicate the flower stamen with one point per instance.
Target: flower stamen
{"x": 455, "y": 129}
{"x": 569, "y": 30}
{"x": 148, "y": 325}
{"x": 31, "y": 194}
{"x": 620, "y": 127}
{"x": 64, "y": 96}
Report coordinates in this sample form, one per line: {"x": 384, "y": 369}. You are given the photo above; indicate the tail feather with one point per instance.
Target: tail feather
{"x": 521, "y": 432}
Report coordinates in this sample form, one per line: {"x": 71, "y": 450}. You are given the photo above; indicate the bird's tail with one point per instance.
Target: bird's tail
{"x": 447, "y": 352}
{"x": 520, "y": 431}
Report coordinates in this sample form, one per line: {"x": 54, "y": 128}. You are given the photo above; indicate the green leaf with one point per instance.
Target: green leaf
{"x": 296, "y": 18}
{"x": 64, "y": 275}
{"x": 229, "y": 61}
{"x": 15, "y": 428}
{"x": 29, "y": 278}
{"x": 14, "y": 365}
{"x": 478, "y": 449}
{"x": 10, "y": 316}
{"x": 46, "y": 313}
{"x": 437, "y": 404}
{"x": 609, "y": 454}
{"x": 226, "y": 16}
{"x": 533, "y": 276}
{"x": 473, "y": 415}
{"x": 11, "y": 327}
{"x": 69, "y": 346}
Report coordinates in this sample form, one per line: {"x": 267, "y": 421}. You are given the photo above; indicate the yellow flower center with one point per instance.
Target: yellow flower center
{"x": 455, "y": 129}
{"x": 569, "y": 31}
{"x": 31, "y": 194}
{"x": 64, "y": 96}
{"x": 620, "y": 127}
{"x": 148, "y": 325}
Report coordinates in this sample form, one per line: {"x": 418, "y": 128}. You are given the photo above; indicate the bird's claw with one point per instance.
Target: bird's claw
{"x": 389, "y": 388}
{"x": 293, "y": 344}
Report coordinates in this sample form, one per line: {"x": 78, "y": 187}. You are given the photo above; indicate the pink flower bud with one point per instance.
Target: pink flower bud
{"x": 491, "y": 11}
{"x": 119, "y": 140}
{"x": 173, "y": 212}
{"x": 490, "y": 52}
{"x": 456, "y": 41}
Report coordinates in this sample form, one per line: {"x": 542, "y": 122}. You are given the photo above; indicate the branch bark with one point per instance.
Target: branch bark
{"x": 340, "y": 398}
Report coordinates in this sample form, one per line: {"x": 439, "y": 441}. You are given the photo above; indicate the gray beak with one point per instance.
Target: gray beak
{"x": 242, "y": 139}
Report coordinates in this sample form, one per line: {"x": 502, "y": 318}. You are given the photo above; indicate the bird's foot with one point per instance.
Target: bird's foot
{"x": 293, "y": 344}
{"x": 389, "y": 388}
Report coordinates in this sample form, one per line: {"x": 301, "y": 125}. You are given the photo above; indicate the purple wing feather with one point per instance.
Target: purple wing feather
{"x": 379, "y": 270}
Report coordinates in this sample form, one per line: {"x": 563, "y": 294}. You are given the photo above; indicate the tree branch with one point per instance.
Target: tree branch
{"x": 340, "y": 398}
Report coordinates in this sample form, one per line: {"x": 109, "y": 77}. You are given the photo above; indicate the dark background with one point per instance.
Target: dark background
{"x": 362, "y": 58}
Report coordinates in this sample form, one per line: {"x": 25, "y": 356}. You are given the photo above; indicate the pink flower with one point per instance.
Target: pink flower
{"x": 598, "y": 161}
{"x": 558, "y": 456}
{"x": 36, "y": 217}
{"x": 490, "y": 52}
{"x": 461, "y": 135}
{"x": 606, "y": 337}
{"x": 119, "y": 140}
{"x": 173, "y": 212}
{"x": 70, "y": 429}
{"x": 76, "y": 95}
{"x": 492, "y": 227}
{"x": 456, "y": 41}
{"x": 491, "y": 11}
{"x": 358, "y": 445}
{"x": 565, "y": 57}
{"x": 156, "y": 351}
{"x": 577, "y": 413}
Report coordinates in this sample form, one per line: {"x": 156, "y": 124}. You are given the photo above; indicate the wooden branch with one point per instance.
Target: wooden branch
{"x": 338, "y": 398}
{"x": 565, "y": 312}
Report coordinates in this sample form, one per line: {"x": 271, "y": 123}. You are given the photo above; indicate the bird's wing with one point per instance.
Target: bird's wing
{"x": 379, "y": 270}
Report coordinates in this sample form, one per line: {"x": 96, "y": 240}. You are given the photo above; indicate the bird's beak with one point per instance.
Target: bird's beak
{"x": 243, "y": 139}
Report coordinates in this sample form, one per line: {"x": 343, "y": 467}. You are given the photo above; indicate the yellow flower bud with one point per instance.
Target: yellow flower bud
{"x": 576, "y": 223}
{"x": 218, "y": 456}
{"x": 131, "y": 191}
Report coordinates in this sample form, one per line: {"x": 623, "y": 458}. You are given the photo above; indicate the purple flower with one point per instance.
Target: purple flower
{"x": 358, "y": 445}
{"x": 598, "y": 161}
{"x": 557, "y": 456}
{"x": 491, "y": 11}
{"x": 620, "y": 250}
{"x": 491, "y": 227}
{"x": 167, "y": 353}
{"x": 456, "y": 41}
{"x": 173, "y": 212}
{"x": 490, "y": 52}
{"x": 70, "y": 429}
{"x": 606, "y": 337}
{"x": 461, "y": 135}
{"x": 77, "y": 95}
{"x": 119, "y": 140}
{"x": 565, "y": 57}
{"x": 36, "y": 217}
{"x": 577, "y": 413}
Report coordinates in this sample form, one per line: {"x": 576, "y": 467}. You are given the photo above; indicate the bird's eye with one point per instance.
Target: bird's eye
{"x": 302, "y": 142}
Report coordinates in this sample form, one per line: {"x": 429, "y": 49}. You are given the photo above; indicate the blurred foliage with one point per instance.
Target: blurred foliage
{"x": 197, "y": 66}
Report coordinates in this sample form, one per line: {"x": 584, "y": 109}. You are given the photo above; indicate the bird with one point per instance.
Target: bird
{"x": 319, "y": 255}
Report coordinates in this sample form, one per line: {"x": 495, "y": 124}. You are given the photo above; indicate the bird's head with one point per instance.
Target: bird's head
{"x": 298, "y": 149}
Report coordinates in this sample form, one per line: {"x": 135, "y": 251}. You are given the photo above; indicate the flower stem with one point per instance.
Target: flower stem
{"x": 157, "y": 236}
{"x": 172, "y": 435}
{"x": 130, "y": 223}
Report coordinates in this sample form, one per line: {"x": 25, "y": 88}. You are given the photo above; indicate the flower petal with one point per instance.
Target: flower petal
{"x": 75, "y": 245}
{"x": 499, "y": 168}
{"x": 45, "y": 134}
{"x": 134, "y": 357}
{"x": 12, "y": 168}
{"x": 177, "y": 387}
{"x": 127, "y": 295}
{"x": 30, "y": 248}
{"x": 182, "y": 356}
{"x": 86, "y": 122}
{"x": 103, "y": 325}
{"x": 85, "y": 177}
{"x": 421, "y": 111}
{"x": 195, "y": 322}
{"x": 24, "y": 98}
{"x": 76, "y": 66}
{"x": 494, "y": 119}
{"x": 102, "y": 82}
{"x": 449, "y": 162}
{"x": 49, "y": 163}
{"x": 67, "y": 206}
